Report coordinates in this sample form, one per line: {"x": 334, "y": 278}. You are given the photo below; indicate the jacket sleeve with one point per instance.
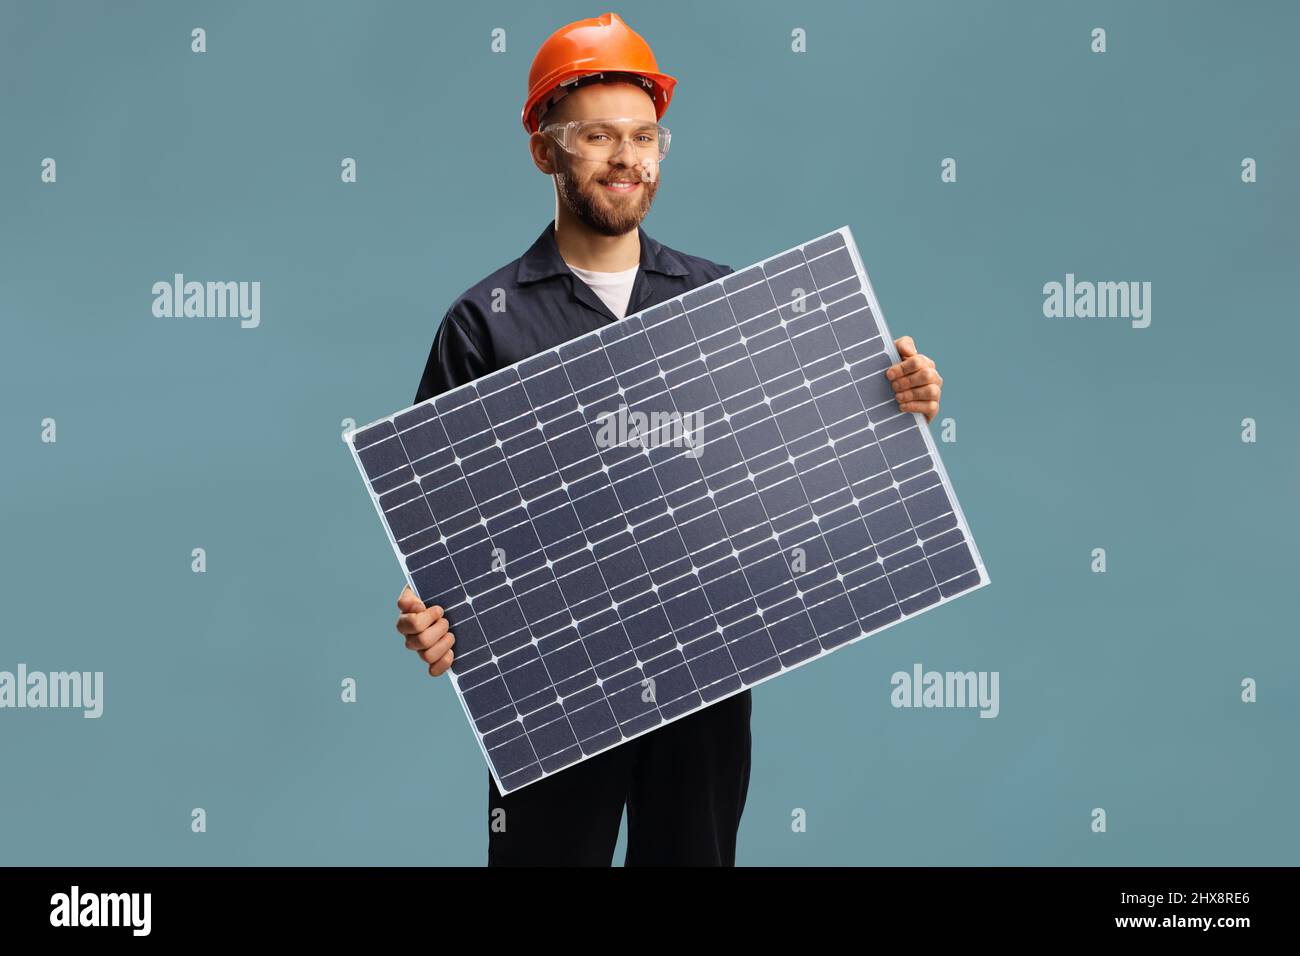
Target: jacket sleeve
{"x": 456, "y": 357}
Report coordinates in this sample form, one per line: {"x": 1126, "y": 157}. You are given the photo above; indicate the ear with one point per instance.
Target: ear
{"x": 540, "y": 146}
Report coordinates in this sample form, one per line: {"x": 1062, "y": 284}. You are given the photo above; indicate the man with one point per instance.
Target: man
{"x": 595, "y": 98}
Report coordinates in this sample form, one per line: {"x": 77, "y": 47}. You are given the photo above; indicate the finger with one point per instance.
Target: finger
{"x": 906, "y": 347}
{"x": 928, "y": 409}
{"x": 913, "y": 364}
{"x": 408, "y": 602}
{"x": 926, "y": 376}
{"x": 441, "y": 666}
{"x": 922, "y": 393}
{"x": 439, "y": 649}
{"x": 410, "y": 624}
{"x": 423, "y": 639}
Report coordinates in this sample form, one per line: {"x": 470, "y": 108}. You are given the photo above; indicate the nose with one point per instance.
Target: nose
{"x": 619, "y": 152}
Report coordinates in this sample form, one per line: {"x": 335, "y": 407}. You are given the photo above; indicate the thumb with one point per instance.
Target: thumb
{"x": 906, "y": 347}
{"x": 407, "y": 602}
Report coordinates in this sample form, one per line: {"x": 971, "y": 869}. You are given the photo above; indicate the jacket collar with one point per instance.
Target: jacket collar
{"x": 543, "y": 258}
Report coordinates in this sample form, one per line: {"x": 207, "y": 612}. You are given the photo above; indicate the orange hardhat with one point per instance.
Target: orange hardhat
{"x": 603, "y": 45}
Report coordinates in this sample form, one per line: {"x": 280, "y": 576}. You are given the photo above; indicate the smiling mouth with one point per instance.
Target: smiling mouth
{"x": 621, "y": 185}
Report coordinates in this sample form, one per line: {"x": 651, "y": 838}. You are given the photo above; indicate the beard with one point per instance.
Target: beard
{"x": 603, "y": 211}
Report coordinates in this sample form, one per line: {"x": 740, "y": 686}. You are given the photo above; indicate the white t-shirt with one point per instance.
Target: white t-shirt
{"x": 614, "y": 288}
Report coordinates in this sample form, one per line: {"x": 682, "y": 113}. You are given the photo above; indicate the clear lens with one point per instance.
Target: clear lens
{"x": 601, "y": 140}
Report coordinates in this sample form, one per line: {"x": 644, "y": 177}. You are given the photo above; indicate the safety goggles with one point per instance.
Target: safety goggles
{"x": 600, "y": 140}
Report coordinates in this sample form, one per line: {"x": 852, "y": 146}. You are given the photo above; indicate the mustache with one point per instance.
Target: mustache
{"x": 651, "y": 181}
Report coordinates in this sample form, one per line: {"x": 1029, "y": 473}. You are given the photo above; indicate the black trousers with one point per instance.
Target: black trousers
{"x": 684, "y": 785}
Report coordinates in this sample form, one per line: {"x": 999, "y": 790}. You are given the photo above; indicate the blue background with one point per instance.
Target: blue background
{"x": 222, "y": 690}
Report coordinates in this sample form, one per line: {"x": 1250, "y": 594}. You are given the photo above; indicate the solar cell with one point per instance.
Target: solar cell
{"x": 669, "y": 509}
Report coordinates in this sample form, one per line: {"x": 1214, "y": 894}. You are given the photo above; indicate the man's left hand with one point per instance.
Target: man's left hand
{"x": 916, "y": 381}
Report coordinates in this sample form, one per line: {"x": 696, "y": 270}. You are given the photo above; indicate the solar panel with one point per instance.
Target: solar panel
{"x": 665, "y": 511}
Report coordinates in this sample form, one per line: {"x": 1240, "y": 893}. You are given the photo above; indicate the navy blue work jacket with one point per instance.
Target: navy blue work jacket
{"x": 546, "y": 304}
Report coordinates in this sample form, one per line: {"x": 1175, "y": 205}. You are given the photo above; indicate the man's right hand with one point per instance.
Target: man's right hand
{"x": 426, "y": 631}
